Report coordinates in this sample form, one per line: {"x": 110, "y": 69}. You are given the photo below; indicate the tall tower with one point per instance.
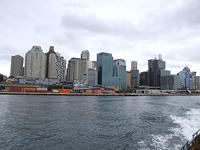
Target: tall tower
{"x": 16, "y": 66}
{"x": 156, "y": 69}
{"x": 76, "y": 70}
{"x": 85, "y": 55}
{"x": 61, "y": 67}
{"x": 105, "y": 68}
{"x": 120, "y": 72}
{"x": 133, "y": 65}
{"x": 35, "y": 63}
{"x": 51, "y": 63}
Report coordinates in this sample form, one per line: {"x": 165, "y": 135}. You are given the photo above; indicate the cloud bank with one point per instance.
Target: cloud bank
{"x": 133, "y": 29}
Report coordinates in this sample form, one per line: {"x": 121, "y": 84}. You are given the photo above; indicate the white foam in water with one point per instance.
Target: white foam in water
{"x": 189, "y": 123}
{"x": 161, "y": 142}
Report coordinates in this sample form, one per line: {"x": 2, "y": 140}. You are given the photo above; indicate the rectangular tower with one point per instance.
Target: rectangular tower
{"x": 17, "y": 66}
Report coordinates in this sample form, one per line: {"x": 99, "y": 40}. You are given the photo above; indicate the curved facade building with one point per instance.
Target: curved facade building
{"x": 35, "y": 63}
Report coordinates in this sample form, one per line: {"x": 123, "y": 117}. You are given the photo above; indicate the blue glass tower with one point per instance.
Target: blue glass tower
{"x": 105, "y": 70}
{"x": 119, "y": 71}
{"x": 185, "y": 77}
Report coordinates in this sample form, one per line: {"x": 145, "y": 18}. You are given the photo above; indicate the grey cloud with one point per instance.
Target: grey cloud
{"x": 185, "y": 15}
{"x": 185, "y": 54}
{"x": 95, "y": 25}
{"x": 6, "y": 52}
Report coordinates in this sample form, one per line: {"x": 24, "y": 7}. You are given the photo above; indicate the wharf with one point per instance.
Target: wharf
{"x": 85, "y": 94}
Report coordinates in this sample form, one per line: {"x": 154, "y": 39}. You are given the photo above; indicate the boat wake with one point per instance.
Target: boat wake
{"x": 189, "y": 123}
{"x": 186, "y": 126}
{"x": 162, "y": 142}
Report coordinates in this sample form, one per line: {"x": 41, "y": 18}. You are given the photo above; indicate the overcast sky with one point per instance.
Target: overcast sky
{"x": 129, "y": 29}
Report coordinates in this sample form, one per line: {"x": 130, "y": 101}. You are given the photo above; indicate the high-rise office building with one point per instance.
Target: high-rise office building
{"x": 92, "y": 77}
{"x": 17, "y": 66}
{"x": 35, "y": 63}
{"x": 170, "y": 82}
{"x": 56, "y": 65}
{"x": 61, "y": 68}
{"x": 133, "y": 65}
{"x": 155, "y": 71}
{"x": 135, "y": 78}
{"x": 185, "y": 77}
{"x": 144, "y": 78}
{"x": 128, "y": 79}
{"x": 51, "y": 64}
{"x": 85, "y": 55}
{"x": 105, "y": 70}
{"x": 120, "y": 72}
{"x": 77, "y": 70}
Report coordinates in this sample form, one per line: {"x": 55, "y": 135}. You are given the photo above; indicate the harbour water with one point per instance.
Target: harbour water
{"x": 97, "y": 123}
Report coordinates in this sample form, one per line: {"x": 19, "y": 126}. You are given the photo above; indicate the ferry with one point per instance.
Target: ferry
{"x": 193, "y": 144}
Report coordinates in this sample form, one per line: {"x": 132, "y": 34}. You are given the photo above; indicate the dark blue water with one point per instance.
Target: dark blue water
{"x": 97, "y": 123}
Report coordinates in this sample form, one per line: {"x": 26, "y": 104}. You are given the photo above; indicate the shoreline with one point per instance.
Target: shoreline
{"x": 84, "y": 94}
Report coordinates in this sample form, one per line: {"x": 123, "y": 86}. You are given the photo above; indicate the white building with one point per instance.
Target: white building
{"x": 35, "y": 63}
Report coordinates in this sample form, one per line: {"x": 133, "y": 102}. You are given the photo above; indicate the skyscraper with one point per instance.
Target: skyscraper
{"x": 128, "y": 79}
{"x": 56, "y": 65}
{"x": 185, "y": 77}
{"x": 156, "y": 67}
{"x": 144, "y": 78}
{"x": 170, "y": 82}
{"x": 92, "y": 77}
{"x": 17, "y": 66}
{"x": 35, "y": 63}
{"x": 51, "y": 64}
{"x": 133, "y": 65}
{"x": 85, "y": 55}
{"x": 120, "y": 72}
{"x": 135, "y": 78}
{"x": 106, "y": 77}
{"x": 61, "y": 67}
{"x": 105, "y": 69}
{"x": 77, "y": 70}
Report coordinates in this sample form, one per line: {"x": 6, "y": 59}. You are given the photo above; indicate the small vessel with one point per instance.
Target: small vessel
{"x": 193, "y": 144}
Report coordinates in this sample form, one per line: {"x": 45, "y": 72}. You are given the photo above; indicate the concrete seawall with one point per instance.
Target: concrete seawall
{"x": 83, "y": 94}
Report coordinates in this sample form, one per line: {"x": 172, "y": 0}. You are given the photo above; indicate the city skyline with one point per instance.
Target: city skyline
{"x": 139, "y": 28}
{"x": 128, "y": 65}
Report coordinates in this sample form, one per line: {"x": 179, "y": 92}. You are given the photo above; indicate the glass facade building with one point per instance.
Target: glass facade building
{"x": 135, "y": 78}
{"x": 111, "y": 73}
{"x": 119, "y": 71}
{"x": 170, "y": 82}
{"x": 185, "y": 77}
{"x": 155, "y": 71}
